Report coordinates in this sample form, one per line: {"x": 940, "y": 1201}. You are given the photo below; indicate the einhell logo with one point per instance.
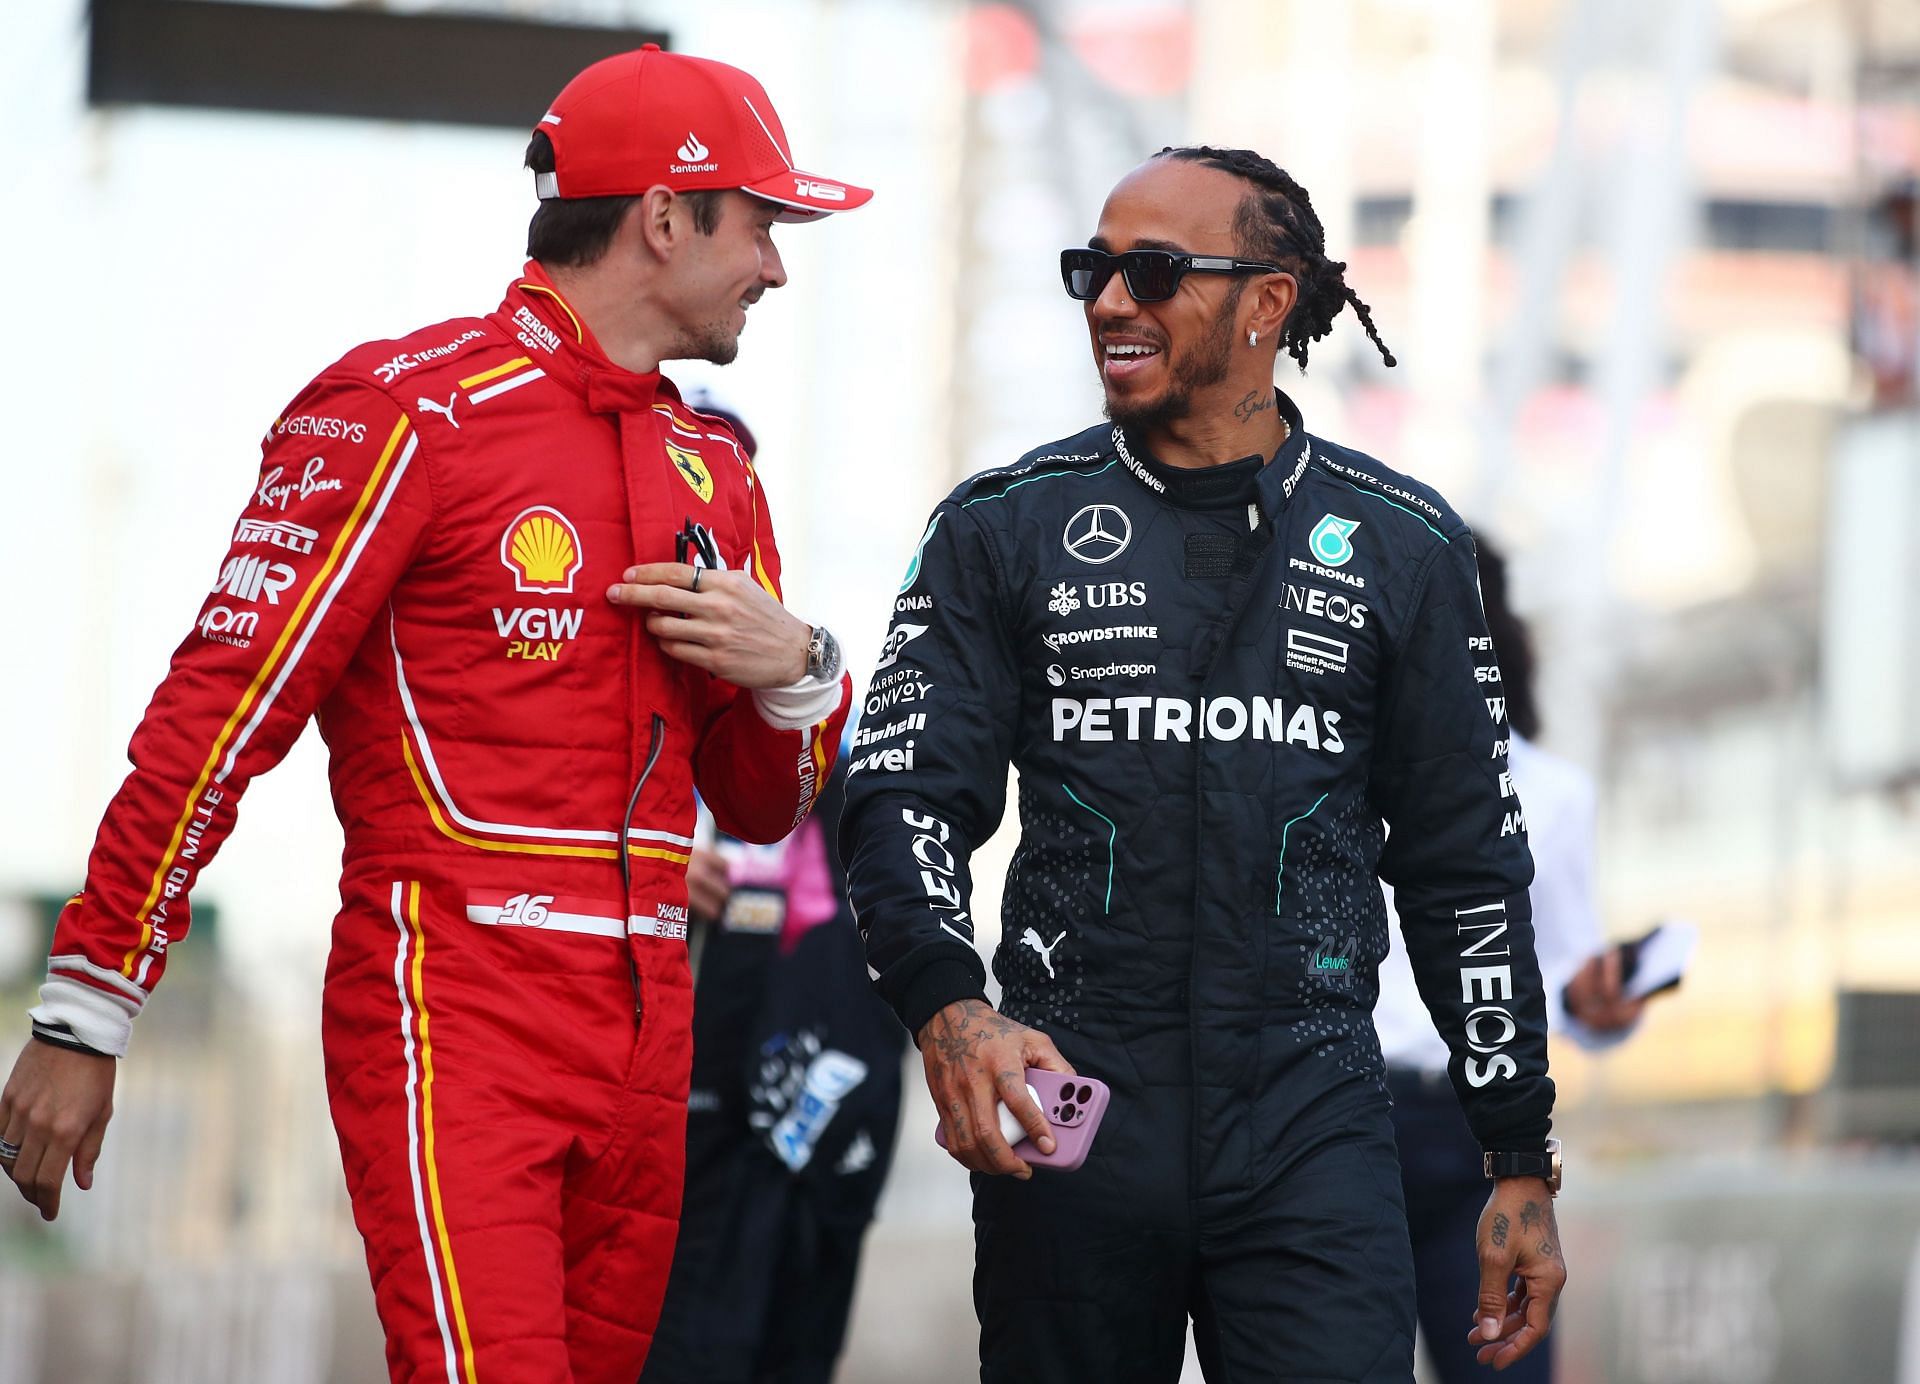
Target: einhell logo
{"x": 541, "y": 548}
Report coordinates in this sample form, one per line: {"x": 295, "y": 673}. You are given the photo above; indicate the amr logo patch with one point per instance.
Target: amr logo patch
{"x": 1332, "y": 961}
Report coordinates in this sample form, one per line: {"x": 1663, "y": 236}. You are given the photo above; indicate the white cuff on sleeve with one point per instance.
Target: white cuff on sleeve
{"x": 805, "y": 703}
{"x": 103, "y": 1022}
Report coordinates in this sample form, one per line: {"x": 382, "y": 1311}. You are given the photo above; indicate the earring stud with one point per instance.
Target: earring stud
{"x": 1253, "y": 337}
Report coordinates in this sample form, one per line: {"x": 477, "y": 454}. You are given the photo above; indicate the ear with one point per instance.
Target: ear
{"x": 1274, "y": 296}
{"x": 656, "y": 222}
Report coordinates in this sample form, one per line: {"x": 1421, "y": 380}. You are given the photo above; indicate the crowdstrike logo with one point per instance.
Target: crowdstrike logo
{"x": 693, "y": 157}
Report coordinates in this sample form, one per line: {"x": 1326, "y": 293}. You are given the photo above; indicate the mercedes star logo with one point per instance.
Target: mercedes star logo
{"x": 1098, "y": 533}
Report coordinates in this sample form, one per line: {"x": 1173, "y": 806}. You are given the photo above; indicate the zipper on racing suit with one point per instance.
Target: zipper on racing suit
{"x": 1209, "y": 645}
{"x": 655, "y": 743}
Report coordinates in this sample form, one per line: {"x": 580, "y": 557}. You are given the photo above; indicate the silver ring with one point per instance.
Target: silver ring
{"x": 696, "y": 580}
{"x": 8, "y": 1152}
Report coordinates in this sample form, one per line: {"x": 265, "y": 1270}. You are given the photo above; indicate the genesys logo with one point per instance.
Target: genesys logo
{"x": 280, "y": 533}
{"x": 542, "y": 549}
{"x": 1211, "y": 718}
{"x": 314, "y": 425}
{"x": 251, "y": 579}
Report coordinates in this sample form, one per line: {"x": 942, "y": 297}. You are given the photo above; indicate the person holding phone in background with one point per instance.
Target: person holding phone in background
{"x": 1222, "y": 653}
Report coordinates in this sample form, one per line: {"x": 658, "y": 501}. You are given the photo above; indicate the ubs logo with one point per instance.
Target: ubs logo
{"x": 1098, "y": 533}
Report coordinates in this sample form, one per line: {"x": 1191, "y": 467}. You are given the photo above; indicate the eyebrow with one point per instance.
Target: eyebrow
{"x": 1101, "y": 243}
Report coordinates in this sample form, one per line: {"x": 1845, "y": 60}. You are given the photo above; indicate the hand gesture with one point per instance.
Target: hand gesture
{"x": 724, "y": 622}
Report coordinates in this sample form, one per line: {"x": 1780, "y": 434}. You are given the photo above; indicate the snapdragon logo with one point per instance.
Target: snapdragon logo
{"x": 1212, "y": 718}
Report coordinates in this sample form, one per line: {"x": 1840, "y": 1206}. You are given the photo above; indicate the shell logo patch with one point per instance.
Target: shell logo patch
{"x": 693, "y": 471}
{"x": 542, "y": 549}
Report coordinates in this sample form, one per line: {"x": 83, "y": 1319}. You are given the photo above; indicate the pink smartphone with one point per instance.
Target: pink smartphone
{"x": 1073, "y": 1105}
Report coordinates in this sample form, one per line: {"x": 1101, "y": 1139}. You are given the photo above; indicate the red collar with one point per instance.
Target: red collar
{"x": 572, "y": 356}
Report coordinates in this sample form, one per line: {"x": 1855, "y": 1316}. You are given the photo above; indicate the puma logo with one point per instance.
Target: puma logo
{"x": 1032, "y": 939}
{"x": 445, "y": 409}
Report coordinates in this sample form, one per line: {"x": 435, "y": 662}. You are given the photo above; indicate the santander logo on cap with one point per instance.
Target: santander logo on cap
{"x": 692, "y": 154}
{"x": 614, "y": 132}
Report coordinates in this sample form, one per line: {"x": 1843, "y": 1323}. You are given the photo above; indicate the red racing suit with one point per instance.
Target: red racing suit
{"x": 424, "y": 562}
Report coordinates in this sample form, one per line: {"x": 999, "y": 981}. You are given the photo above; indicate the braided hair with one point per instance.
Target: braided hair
{"x": 1277, "y": 222}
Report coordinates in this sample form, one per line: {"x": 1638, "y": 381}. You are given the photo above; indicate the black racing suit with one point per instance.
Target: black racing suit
{"x": 1216, "y": 687}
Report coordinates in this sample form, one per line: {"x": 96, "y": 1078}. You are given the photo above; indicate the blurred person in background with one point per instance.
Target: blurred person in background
{"x": 792, "y": 1111}
{"x": 439, "y": 557}
{"x": 1440, "y": 1161}
{"x": 1220, "y": 651}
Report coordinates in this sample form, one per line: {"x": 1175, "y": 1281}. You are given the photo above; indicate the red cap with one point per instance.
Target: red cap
{"x": 639, "y": 119}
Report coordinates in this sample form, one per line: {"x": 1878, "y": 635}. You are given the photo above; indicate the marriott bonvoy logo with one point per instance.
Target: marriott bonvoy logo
{"x": 693, "y": 156}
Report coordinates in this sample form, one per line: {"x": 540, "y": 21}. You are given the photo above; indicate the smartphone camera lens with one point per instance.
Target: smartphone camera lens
{"x": 1086, "y": 1094}
{"x": 1066, "y": 1113}
{"x": 1066, "y": 1091}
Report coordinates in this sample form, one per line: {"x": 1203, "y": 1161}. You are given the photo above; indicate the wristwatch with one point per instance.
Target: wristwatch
{"x": 823, "y": 655}
{"x": 1543, "y": 1165}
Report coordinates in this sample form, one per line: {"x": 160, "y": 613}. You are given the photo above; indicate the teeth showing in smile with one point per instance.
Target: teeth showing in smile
{"x": 1126, "y": 351}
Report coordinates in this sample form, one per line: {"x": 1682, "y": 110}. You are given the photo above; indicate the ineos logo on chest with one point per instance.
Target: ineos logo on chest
{"x": 1098, "y": 533}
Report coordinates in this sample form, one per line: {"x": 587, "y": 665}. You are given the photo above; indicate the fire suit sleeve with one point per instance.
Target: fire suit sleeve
{"x": 340, "y": 506}
{"x": 759, "y": 771}
{"x": 1456, "y": 855}
{"x": 927, "y": 780}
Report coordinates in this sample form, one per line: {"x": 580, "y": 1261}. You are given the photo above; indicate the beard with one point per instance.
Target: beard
{"x": 716, "y": 342}
{"x": 1201, "y": 366}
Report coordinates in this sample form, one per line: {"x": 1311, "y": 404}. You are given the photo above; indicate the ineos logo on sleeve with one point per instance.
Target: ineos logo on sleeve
{"x": 1098, "y": 533}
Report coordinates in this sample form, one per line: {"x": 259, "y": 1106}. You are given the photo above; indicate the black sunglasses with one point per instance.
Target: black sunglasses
{"x": 1152, "y": 276}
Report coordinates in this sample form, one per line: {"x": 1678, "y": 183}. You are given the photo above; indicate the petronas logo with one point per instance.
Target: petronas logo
{"x": 1330, "y": 542}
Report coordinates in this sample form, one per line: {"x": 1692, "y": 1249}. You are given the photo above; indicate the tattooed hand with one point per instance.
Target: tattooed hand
{"x": 977, "y": 1059}
{"x": 1521, "y": 1271}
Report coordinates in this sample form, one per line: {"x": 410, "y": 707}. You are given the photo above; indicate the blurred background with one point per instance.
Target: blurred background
{"x": 1650, "y": 269}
